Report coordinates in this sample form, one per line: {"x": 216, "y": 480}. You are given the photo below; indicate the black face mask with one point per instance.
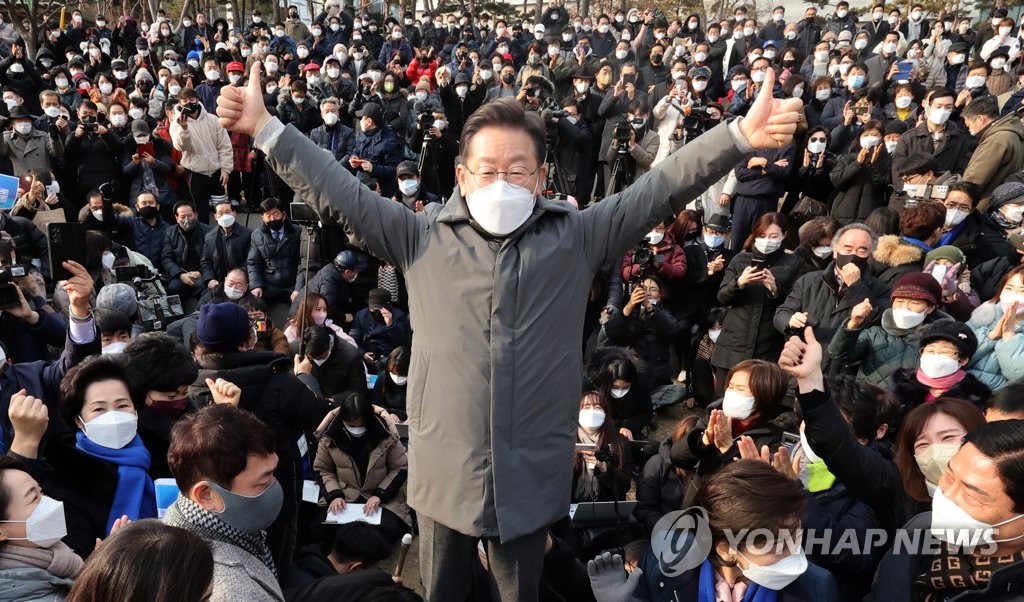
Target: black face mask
{"x": 508, "y": 78}
{"x": 275, "y": 224}
{"x": 145, "y": 85}
{"x": 629, "y": 79}
{"x": 860, "y": 262}
{"x": 655, "y": 58}
{"x": 789, "y": 63}
{"x": 149, "y": 212}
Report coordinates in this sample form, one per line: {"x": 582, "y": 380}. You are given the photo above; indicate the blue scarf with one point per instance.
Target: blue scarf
{"x": 918, "y": 243}
{"x": 754, "y": 593}
{"x": 949, "y": 237}
{"x": 134, "y": 495}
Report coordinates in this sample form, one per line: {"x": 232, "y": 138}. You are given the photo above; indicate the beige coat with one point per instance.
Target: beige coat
{"x": 339, "y": 472}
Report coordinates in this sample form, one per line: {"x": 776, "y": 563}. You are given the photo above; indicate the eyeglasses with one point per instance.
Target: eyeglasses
{"x": 517, "y": 176}
{"x": 961, "y": 206}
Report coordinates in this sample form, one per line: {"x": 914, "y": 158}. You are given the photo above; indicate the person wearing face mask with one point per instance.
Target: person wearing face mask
{"x": 936, "y": 137}
{"x": 107, "y": 218}
{"x": 987, "y": 532}
{"x": 594, "y": 479}
{"x": 947, "y": 347}
{"x": 755, "y": 283}
{"x": 280, "y": 43}
{"x": 706, "y": 258}
{"x": 206, "y": 151}
{"x": 997, "y": 325}
{"x": 1002, "y": 221}
{"x": 1002, "y": 40}
{"x": 861, "y": 176}
{"x": 964, "y": 229}
{"x": 229, "y": 503}
{"x": 212, "y": 82}
{"x": 647, "y": 327}
{"x": 411, "y": 192}
{"x": 97, "y": 405}
{"x": 824, "y": 299}
{"x": 378, "y": 328}
{"x": 225, "y": 248}
{"x": 274, "y": 255}
{"x": 361, "y": 461}
{"x": 1000, "y": 82}
{"x": 903, "y": 109}
{"x": 1000, "y": 150}
{"x": 298, "y": 109}
{"x": 448, "y": 515}
{"x": 27, "y": 148}
{"x": 895, "y": 342}
{"x": 753, "y": 390}
{"x": 312, "y": 310}
{"x": 148, "y": 227}
{"x": 337, "y": 365}
{"x": 641, "y": 149}
{"x": 161, "y": 367}
{"x": 182, "y": 251}
{"x": 389, "y": 390}
{"x": 377, "y": 150}
{"x": 36, "y": 564}
{"x": 333, "y": 135}
{"x": 147, "y": 161}
{"x": 743, "y": 496}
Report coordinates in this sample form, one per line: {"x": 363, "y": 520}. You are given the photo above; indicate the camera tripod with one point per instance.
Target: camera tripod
{"x": 621, "y": 171}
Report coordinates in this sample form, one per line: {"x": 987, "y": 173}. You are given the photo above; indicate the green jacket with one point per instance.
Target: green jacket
{"x": 880, "y": 350}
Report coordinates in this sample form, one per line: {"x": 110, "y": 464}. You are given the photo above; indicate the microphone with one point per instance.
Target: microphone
{"x": 406, "y": 544}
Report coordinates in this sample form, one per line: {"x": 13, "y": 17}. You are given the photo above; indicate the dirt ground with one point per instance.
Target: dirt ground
{"x": 667, "y": 420}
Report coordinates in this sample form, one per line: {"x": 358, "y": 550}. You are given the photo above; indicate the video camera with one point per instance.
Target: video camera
{"x": 155, "y": 312}
{"x": 643, "y": 258}
{"x": 8, "y": 292}
{"x": 622, "y": 132}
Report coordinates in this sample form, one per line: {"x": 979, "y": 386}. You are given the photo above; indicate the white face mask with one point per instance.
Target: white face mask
{"x": 935, "y": 365}
{"x": 975, "y": 81}
{"x": 654, "y": 237}
{"x": 118, "y": 120}
{"x": 106, "y": 87}
{"x": 823, "y": 95}
{"x": 767, "y": 245}
{"x": 356, "y": 431}
{"x": 23, "y": 127}
{"x": 700, "y": 57}
{"x": 778, "y": 575}
{"x": 957, "y": 59}
{"x": 823, "y": 252}
{"x": 953, "y": 216}
{"x": 113, "y": 430}
{"x": 757, "y": 76}
{"x": 173, "y": 90}
{"x": 136, "y": 113}
{"x": 737, "y": 405}
{"x": 714, "y": 334}
{"x": 816, "y": 148}
{"x": 621, "y": 54}
{"x": 499, "y": 208}
{"x": 591, "y": 418}
{"x": 951, "y": 523}
{"x": 860, "y": 44}
{"x": 398, "y": 380}
{"x": 713, "y": 241}
{"x": 939, "y": 116}
{"x": 700, "y": 85}
{"x": 46, "y": 525}
{"x": 712, "y": 38}
{"x": 906, "y": 319}
{"x": 226, "y": 221}
{"x": 581, "y": 87}
{"x": 234, "y": 293}
{"x": 869, "y": 141}
{"x": 903, "y": 102}
{"x": 619, "y": 393}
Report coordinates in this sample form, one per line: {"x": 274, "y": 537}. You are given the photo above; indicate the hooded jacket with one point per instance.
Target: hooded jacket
{"x": 893, "y": 258}
{"x": 882, "y": 349}
{"x": 205, "y": 146}
{"x": 996, "y": 362}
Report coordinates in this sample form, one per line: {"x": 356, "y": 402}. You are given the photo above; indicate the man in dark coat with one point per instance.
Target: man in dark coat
{"x": 273, "y": 262}
{"x": 182, "y": 252}
{"x": 377, "y": 152}
{"x": 225, "y": 247}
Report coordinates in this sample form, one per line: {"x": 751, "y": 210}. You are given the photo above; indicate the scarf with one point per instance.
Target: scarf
{"x": 949, "y": 237}
{"x": 134, "y": 495}
{"x": 952, "y": 571}
{"x": 918, "y": 243}
{"x": 58, "y": 560}
{"x": 190, "y": 516}
{"x": 943, "y": 383}
{"x": 587, "y": 487}
{"x": 707, "y": 590}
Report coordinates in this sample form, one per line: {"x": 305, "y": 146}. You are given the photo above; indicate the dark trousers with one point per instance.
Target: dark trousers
{"x": 200, "y": 187}
{"x": 447, "y": 557}
{"x": 745, "y": 213}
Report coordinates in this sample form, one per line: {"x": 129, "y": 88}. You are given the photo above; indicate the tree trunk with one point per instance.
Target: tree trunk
{"x": 538, "y": 9}
{"x": 585, "y": 8}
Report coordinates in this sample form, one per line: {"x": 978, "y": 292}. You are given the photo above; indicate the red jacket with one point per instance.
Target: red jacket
{"x": 415, "y": 71}
{"x": 669, "y": 261}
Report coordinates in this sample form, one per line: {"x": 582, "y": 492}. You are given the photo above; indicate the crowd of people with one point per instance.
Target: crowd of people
{"x": 842, "y": 313}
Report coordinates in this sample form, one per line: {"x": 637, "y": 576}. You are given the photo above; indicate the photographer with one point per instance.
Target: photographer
{"x": 27, "y": 323}
{"x": 645, "y": 326}
{"x": 102, "y": 214}
{"x": 91, "y": 152}
{"x": 205, "y": 151}
{"x": 574, "y": 175}
{"x": 632, "y": 155}
{"x": 442, "y": 149}
{"x": 28, "y": 148}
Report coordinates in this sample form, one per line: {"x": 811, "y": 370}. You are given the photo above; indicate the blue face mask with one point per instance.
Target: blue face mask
{"x": 714, "y": 240}
{"x": 856, "y": 81}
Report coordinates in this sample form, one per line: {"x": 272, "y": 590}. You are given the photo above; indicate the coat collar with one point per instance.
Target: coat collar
{"x": 456, "y": 210}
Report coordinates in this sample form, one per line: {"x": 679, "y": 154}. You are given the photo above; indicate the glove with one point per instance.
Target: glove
{"x": 609, "y": 581}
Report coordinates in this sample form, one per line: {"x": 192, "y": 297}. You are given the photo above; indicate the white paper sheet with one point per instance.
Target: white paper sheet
{"x": 353, "y": 513}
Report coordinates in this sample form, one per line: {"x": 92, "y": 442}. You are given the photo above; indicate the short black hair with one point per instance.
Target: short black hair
{"x": 866, "y": 407}
{"x": 1008, "y": 400}
{"x": 78, "y": 379}
{"x": 506, "y": 113}
{"x": 159, "y": 362}
{"x": 110, "y": 321}
{"x": 271, "y": 203}
{"x": 1003, "y": 442}
{"x": 317, "y": 340}
{"x": 359, "y": 542}
{"x": 983, "y": 106}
